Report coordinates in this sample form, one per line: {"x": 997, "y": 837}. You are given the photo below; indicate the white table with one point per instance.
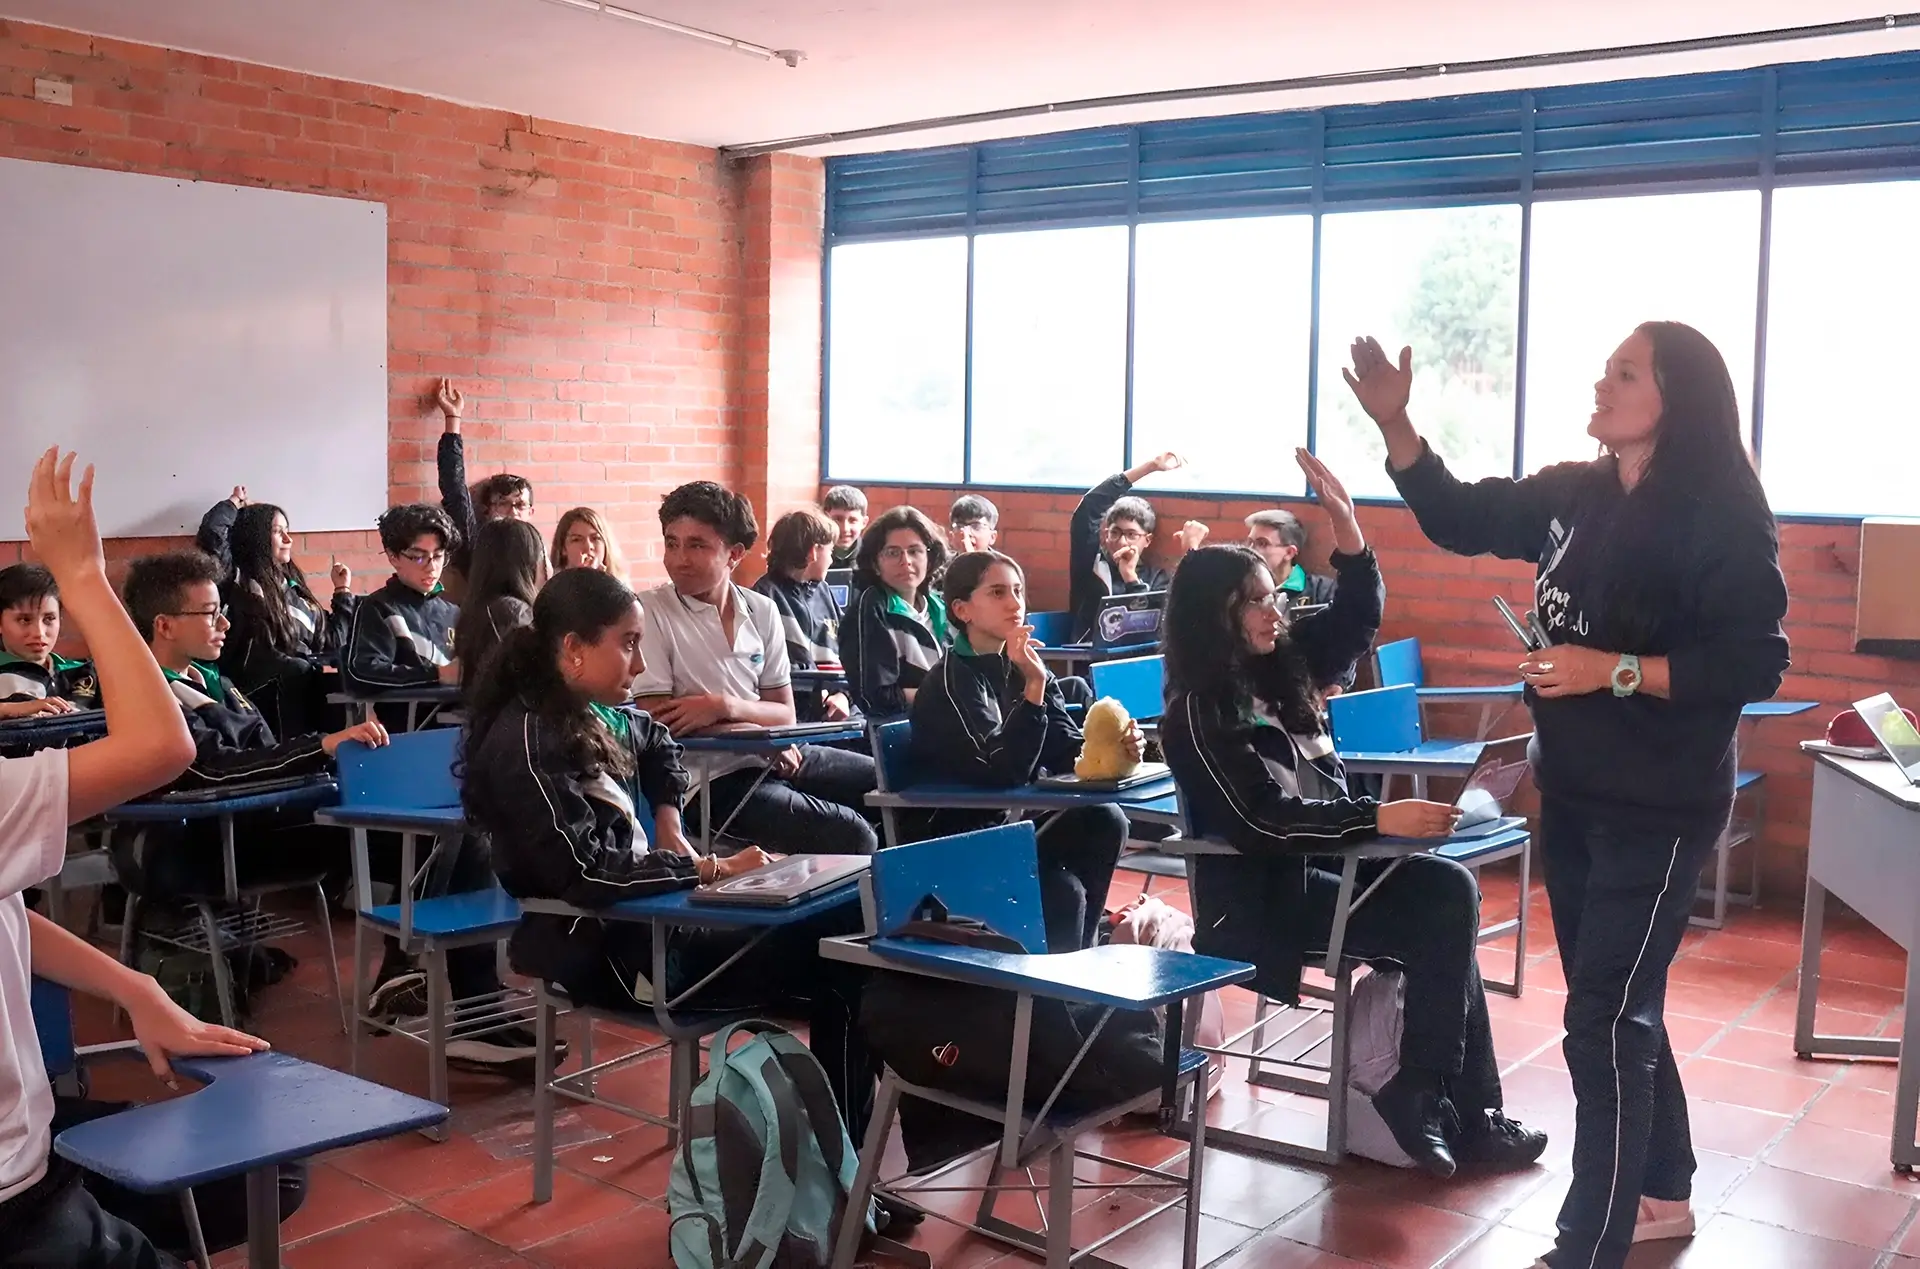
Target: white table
{"x": 1864, "y": 848}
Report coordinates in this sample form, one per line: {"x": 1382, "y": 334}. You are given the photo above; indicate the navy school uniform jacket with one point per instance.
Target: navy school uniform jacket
{"x": 972, "y": 722}
{"x": 1658, "y": 762}
{"x": 399, "y": 638}
{"x": 1092, "y": 576}
{"x": 22, "y": 680}
{"x": 559, "y": 832}
{"x": 810, "y": 617}
{"x": 232, "y": 743}
{"x": 456, "y": 499}
{"x": 887, "y": 651}
{"x": 1278, "y": 799}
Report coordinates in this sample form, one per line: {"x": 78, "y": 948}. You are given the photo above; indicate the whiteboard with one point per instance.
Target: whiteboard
{"x": 187, "y": 337}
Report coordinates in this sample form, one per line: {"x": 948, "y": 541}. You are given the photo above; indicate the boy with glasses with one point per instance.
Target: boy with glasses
{"x": 973, "y": 524}
{"x": 501, "y": 496}
{"x": 1107, "y": 543}
{"x": 402, "y": 634}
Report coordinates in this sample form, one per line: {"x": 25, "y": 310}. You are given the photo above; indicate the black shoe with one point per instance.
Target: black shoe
{"x": 895, "y": 1216}
{"x": 1494, "y": 1141}
{"x": 1418, "y": 1116}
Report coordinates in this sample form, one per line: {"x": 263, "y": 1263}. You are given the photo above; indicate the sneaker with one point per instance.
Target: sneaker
{"x": 1495, "y": 1141}
{"x": 496, "y": 1049}
{"x": 402, "y": 996}
{"x": 1661, "y": 1219}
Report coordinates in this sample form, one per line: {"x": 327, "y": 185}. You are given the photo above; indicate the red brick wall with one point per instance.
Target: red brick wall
{"x": 1443, "y": 600}
{"x": 586, "y": 288}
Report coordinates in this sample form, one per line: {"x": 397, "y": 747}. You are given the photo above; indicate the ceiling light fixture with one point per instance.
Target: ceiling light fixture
{"x": 791, "y": 56}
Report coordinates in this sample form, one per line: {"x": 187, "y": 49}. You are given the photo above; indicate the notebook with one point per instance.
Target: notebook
{"x": 1491, "y": 785}
{"x": 1145, "y": 773}
{"x": 244, "y": 789}
{"x": 785, "y": 881}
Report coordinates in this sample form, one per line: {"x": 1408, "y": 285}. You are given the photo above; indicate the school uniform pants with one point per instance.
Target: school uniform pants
{"x": 1621, "y": 893}
{"x": 821, "y": 809}
{"x": 1424, "y": 920}
{"x": 1077, "y": 852}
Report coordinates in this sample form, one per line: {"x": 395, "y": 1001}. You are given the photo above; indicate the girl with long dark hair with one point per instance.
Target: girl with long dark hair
{"x": 504, "y": 574}
{"x": 1658, "y": 579}
{"x": 1245, "y": 736}
{"x": 283, "y": 646}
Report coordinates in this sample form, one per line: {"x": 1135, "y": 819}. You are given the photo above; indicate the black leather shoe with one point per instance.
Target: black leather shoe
{"x": 1494, "y": 1141}
{"x": 1418, "y": 1118}
{"x": 896, "y": 1216}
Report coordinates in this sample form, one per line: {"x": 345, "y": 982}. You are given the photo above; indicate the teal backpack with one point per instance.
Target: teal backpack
{"x": 764, "y": 1166}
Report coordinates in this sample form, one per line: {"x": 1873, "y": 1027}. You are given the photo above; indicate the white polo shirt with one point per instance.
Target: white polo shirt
{"x": 687, "y": 653}
{"x": 33, "y": 845}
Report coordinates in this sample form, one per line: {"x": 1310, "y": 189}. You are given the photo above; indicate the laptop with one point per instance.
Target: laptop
{"x": 840, "y": 582}
{"x": 1126, "y": 621}
{"x": 1145, "y": 773}
{"x": 244, "y": 788}
{"x": 1491, "y": 786}
{"x": 791, "y": 731}
{"x": 784, "y": 882}
{"x": 1896, "y": 735}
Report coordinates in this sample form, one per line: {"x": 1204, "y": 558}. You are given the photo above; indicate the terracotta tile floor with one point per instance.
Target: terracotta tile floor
{"x": 1792, "y": 1155}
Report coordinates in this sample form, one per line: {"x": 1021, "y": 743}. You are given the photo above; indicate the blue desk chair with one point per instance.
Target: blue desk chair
{"x": 1399, "y": 664}
{"x": 892, "y": 768}
{"x": 992, "y": 876}
{"x": 1139, "y": 684}
{"x": 1743, "y": 829}
{"x": 1051, "y": 628}
{"x": 247, "y": 924}
{"x": 409, "y": 787}
{"x": 1379, "y": 730}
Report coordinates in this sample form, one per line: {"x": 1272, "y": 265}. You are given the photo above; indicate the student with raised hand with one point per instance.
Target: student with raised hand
{"x": 846, "y": 506}
{"x": 1246, "y": 738}
{"x": 989, "y": 713}
{"x": 283, "y": 647}
{"x": 34, "y": 679}
{"x": 48, "y": 1217}
{"x": 584, "y": 539}
{"x": 716, "y": 655}
{"x": 1107, "y": 542}
{"x": 1657, "y": 575}
{"x": 402, "y": 634}
{"x": 799, "y": 551}
{"x": 509, "y": 567}
{"x": 502, "y": 496}
{"x": 898, "y": 626}
{"x": 1277, "y": 537}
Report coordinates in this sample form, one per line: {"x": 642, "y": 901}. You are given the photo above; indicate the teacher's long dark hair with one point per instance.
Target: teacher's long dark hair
{"x": 581, "y": 602}
{"x": 1698, "y": 472}
{"x": 1206, "y": 653}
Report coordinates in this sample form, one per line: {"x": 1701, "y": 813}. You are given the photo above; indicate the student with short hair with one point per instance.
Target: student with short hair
{"x": 501, "y": 496}
{"x": 509, "y": 566}
{"x": 716, "y": 654}
{"x": 284, "y": 647}
{"x": 799, "y": 551}
{"x": 973, "y": 524}
{"x": 1107, "y": 542}
{"x": 846, "y": 506}
{"x": 1277, "y": 537}
{"x": 51, "y": 1212}
{"x": 898, "y": 627}
{"x": 990, "y": 713}
{"x": 584, "y": 539}
{"x": 34, "y": 679}
{"x": 402, "y": 634}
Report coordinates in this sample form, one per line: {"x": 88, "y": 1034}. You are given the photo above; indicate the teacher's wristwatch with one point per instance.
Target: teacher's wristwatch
{"x": 1626, "y": 675}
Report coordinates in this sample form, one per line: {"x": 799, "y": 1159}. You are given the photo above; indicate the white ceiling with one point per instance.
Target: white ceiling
{"x": 873, "y": 62}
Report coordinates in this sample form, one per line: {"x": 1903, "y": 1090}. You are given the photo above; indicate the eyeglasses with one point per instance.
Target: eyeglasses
{"x": 211, "y": 614}
{"x": 1274, "y": 599}
{"x": 894, "y": 554}
{"x": 424, "y": 558}
{"x": 969, "y": 526}
{"x": 1126, "y": 535}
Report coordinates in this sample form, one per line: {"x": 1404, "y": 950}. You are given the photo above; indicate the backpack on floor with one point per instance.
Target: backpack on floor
{"x": 1374, "y": 1022}
{"x": 764, "y": 1166}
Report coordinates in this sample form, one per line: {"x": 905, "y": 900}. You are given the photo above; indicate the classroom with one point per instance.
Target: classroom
{"x": 958, "y": 635}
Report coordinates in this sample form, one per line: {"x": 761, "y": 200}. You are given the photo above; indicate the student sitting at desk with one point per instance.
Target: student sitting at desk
{"x": 1107, "y": 540}
{"x": 566, "y": 779}
{"x": 51, "y": 1213}
{"x": 34, "y": 679}
{"x": 990, "y": 713}
{"x": 846, "y": 506}
{"x": 1277, "y": 537}
{"x": 283, "y": 645}
{"x": 584, "y": 539}
{"x": 509, "y": 565}
{"x": 716, "y": 655}
{"x": 1244, "y": 735}
{"x": 402, "y": 634}
{"x": 501, "y": 496}
{"x": 898, "y": 625}
{"x": 799, "y": 549}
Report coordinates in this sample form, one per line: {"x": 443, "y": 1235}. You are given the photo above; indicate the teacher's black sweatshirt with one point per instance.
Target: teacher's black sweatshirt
{"x": 1639, "y": 757}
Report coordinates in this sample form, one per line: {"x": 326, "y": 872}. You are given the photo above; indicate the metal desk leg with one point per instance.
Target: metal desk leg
{"x": 1906, "y": 1090}
{"x": 263, "y": 1217}
{"x": 1812, "y": 925}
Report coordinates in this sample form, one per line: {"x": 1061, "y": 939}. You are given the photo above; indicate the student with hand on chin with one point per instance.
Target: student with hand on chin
{"x": 1107, "y": 542}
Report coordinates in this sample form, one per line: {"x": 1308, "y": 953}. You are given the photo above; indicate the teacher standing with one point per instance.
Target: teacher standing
{"x": 1658, "y": 580}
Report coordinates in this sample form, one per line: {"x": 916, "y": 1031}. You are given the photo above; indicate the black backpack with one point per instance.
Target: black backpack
{"x": 958, "y": 1038}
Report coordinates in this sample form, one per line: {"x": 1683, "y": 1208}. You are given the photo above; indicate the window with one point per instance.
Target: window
{"x": 1600, "y": 267}
{"x": 1222, "y": 319}
{"x": 897, "y": 331}
{"x": 1049, "y": 356}
{"x": 1445, "y": 281}
{"x": 1841, "y": 327}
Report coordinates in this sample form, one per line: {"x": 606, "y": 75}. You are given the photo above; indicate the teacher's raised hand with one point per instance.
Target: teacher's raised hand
{"x": 1382, "y": 387}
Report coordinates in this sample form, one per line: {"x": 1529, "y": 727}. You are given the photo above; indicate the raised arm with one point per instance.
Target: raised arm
{"x": 217, "y": 526}
{"x": 146, "y": 744}
{"x": 451, "y": 461}
{"x": 1337, "y": 636}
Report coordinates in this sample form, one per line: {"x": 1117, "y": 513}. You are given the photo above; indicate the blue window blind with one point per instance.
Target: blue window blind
{"x": 1831, "y": 120}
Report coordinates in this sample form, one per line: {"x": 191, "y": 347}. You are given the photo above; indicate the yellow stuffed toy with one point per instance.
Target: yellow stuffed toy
{"x": 1104, "y": 755}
